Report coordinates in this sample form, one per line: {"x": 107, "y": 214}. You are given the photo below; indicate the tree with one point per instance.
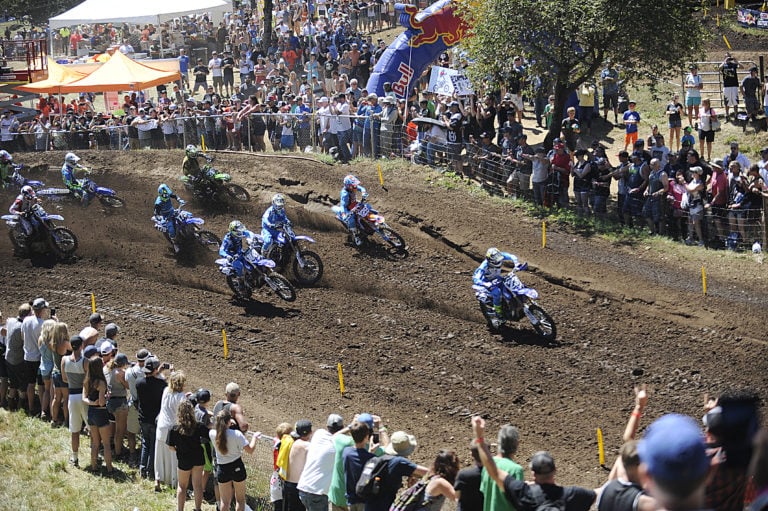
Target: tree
{"x": 267, "y": 37}
{"x": 38, "y": 12}
{"x": 569, "y": 40}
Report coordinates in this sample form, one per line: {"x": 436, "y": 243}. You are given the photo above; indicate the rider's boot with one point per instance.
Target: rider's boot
{"x": 267, "y": 251}
{"x": 356, "y": 237}
{"x": 175, "y": 244}
{"x": 498, "y": 320}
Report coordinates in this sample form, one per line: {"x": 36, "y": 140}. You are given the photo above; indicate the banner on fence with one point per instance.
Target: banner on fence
{"x": 752, "y": 18}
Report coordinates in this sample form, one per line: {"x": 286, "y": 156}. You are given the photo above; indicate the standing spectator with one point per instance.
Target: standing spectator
{"x": 706, "y": 129}
{"x": 14, "y": 358}
{"x": 186, "y": 438}
{"x": 355, "y": 457}
{"x": 736, "y": 155}
{"x": 30, "y": 329}
{"x": 215, "y": 67}
{"x": 228, "y": 73}
{"x": 729, "y": 70}
{"x": 46, "y": 366}
{"x": 693, "y": 86}
{"x": 718, "y": 190}
{"x": 517, "y": 82}
{"x": 183, "y": 69}
{"x": 95, "y": 396}
{"x": 297, "y": 458}
{"x": 540, "y": 174}
{"x": 560, "y": 163}
{"x": 117, "y": 404}
{"x": 467, "y": 485}
{"x": 340, "y": 109}
{"x": 401, "y": 446}
{"x": 543, "y": 492}
{"x": 749, "y": 87}
{"x": 73, "y": 374}
{"x": 150, "y": 394}
{"x": 230, "y": 443}
{"x": 232, "y": 394}
{"x": 582, "y": 172}
{"x": 631, "y": 120}
{"x": 656, "y": 198}
{"x": 695, "y": 189}
{"x": 674, "y": 464}
{"x": 674, "y": 114}
{"x": 60, "y": 347}
{"x": 493, "y": 497}
{"x": 609, "y": 77}
{"x": 315, "y": 480}
{"x": 570, "y": 129}
{"x": 165, "y": 460}
{"x": 441, "y": 477}
{"x": 586, "y": 106}
{"x": 201, "y": 76}
{"x": 635, "y": 178}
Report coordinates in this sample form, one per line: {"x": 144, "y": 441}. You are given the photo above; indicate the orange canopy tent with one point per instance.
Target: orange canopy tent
{"x": 58, "y": 76}
{"x": 120, "y": 73}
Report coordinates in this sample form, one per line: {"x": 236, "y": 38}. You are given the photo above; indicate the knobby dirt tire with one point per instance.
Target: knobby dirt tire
{"x": 63, "y": 242}
{"x": 237, "y": 192}
{"x": 209, "y": 240}
{"x": 112, "y": 201}
{"x": 546, "y": 327}
{"x": 312, "y": 271}
{"x": 242, "y": 294}
{"x": 281, "y": 286}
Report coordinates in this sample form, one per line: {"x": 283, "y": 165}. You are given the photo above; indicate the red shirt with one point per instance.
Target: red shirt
{"x": 562, "y": 161}
{"x": 719, "y": 188}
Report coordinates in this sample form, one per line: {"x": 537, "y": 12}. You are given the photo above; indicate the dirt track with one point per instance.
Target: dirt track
{"x": 412, "y": 342}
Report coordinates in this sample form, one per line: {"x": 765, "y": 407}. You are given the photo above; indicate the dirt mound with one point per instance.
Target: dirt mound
{"x": 412, "y": 342}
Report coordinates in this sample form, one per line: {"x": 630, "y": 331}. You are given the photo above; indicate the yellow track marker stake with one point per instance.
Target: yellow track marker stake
{"x": 93, "y": 303}
{"x": 224, "y": 338}
{"x": 704, "y": 280}
{"x": 600, "y": 447}
{"x": 341, "y": 379}
{"x": 543, "y": 234}
{"x": 726, "y": 42}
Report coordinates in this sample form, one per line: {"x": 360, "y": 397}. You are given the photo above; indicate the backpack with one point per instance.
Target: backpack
{"x": 543, "y": 503}
{"x": 412, "y": 498}
{"x": 374, "y": 472}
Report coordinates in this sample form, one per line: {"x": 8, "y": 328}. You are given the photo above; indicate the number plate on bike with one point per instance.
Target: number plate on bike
{"x": 364, "y": 210}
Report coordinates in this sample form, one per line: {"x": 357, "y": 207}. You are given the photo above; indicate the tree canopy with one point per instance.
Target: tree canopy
{"x": 38, "y": 11}
{"x": 569, "y": 40}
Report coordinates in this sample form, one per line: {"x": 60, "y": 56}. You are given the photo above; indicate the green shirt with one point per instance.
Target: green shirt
{"x": 493, "y": 495}
{"x": 338, "y": 483}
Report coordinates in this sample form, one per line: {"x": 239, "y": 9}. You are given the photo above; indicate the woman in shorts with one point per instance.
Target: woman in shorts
{"x": 185, "y": 438}
{"x": 60, "y": 347}
{"x": 707, "y": 117}
{"x": 117, "y": 404}
{"x": 46, "y": 366}
{"x": 95, "y": 396}
{"x": 674, "y": 114}
{"x": 695, "y": 191}
{"x": 230, "y": 470}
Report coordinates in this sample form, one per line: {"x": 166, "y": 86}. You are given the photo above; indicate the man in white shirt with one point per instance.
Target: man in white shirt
{"x": 214, "y": 65}
{"x": 315, "y": 480}
{"x": 340, "y": 111}
{"x": 30, "y": 330}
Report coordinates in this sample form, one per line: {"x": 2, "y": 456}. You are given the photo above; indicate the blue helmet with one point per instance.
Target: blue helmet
{"x": 351, "y": 182}
{"x": 164, "y": 191}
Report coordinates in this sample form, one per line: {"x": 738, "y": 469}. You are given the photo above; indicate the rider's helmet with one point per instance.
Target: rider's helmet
{"x": 71, "y": 158}
{"x": 191, "y": 151}
{"x": 351, "y": 182}
{"x": 28, "y": 192}
{"x": 494, "y": 258}
{"x": 236, "y": 228}
{"x": 164, "y": 192}
{"x": 5, "y": 156}
{"x": 278, "y": 201}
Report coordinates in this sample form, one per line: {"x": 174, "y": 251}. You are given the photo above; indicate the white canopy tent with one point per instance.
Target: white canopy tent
{"x": 146, "y": 11}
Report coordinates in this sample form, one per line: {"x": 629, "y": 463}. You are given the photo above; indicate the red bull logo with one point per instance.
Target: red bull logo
{"x": 440, "y": 25}
{"x": 401, "y": 87}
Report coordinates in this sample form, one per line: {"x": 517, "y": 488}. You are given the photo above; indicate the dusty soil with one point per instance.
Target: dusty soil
{"x": 408, "y": 332}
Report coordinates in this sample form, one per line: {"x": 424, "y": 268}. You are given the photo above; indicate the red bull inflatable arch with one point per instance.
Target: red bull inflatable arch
{"x": 427, "y": 34}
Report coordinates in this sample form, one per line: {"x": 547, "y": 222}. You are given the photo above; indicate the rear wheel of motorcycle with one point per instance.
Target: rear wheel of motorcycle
{"x": 242, "y": 294}
{"x": 237, "y": 192}
{"x": 281, "y": 286}
{"x": 63, "y": 241}
{"x": 395, "y": 241}
{"x": 111, "y": 201}
{"x": 312, "y": 270}
{"x": 546, "y": 326}
{"x": 209, "y": 240}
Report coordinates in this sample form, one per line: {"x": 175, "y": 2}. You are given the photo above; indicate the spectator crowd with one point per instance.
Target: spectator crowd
{"x": 141, "y": 414}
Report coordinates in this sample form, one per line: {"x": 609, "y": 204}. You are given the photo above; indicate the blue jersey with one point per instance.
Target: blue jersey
{"x": 164, "y": 208}
{"x": 68, "y": 175}
{"x": 232, "y": 246}
{"x": 273, "y": 217}
{"x": 348, "y": 199}
{"x": 485, "y": 274}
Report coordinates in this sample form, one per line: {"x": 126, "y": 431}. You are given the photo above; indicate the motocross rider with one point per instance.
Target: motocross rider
{"x": 273, "y": 219}
{"x": 6, "y": 168}
{"x": 75, "y": 187}
{"x": 22, "y": 207}
{"x": 347, "y": 203}
{"x": 191, "y": 167}
{"x": 486, "y": 280}
{"x": 164, "y": 211}
{"x": 232, "y": 247}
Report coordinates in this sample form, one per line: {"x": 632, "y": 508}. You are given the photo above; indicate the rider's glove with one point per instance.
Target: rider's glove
{"x": 157, "y": 218}
{"x": 182, "y": 202}
{"x": 521, "y": 267}
{"x": 488, "y": 285}
{"x": 365, "y": 195}
{"x": 230, "y": 259}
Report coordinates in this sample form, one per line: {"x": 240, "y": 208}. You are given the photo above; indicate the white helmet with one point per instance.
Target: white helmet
{"x": 278, "y": 201}
{"x": 71, "y": 158}
{"x": 28, "y": 192}
{"x": 494, "y": 257}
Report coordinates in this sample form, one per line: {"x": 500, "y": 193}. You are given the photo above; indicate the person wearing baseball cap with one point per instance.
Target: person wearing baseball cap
{"x": 133, "y": 373}
{"x": 315, "y": 480}
{"x": 149, "y": 392}
{"x": 529, "y": 497}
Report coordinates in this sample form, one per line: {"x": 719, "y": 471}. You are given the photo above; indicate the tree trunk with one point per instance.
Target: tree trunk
{"x": 562, "y": 90}
{"x": 267, "y": 38}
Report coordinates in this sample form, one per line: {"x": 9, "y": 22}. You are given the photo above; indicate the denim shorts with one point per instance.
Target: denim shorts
{"x": 58, "y": 381}
{"x": 98, "y": 417}
{"x": 115, "y": 404}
